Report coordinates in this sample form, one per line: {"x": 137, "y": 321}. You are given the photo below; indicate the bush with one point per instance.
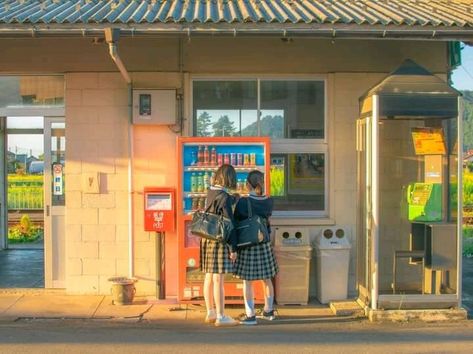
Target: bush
{"x": 25, "y": 231}
{"x": 468, "y": 241}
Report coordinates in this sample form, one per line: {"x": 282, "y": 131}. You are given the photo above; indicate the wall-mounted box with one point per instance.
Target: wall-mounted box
{"x": 91, "y": 183}
{"x": 154, "y": 107}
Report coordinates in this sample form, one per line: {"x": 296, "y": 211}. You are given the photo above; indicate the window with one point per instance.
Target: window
{"x": 24, "y": 91}
{"x": 225, "y": 108}
{"x": 292, "y": 113}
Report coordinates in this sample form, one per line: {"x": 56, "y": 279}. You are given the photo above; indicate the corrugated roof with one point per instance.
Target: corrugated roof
{"x": 438, "y": 13}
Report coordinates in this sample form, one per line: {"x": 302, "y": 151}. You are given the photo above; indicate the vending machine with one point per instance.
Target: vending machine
{"x": 199, "y": 158}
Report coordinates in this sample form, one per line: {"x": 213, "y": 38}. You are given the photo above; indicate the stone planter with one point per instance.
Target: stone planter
{"x": 123, "y": 290}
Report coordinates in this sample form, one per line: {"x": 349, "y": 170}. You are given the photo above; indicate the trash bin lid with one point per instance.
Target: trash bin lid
{"x": 294, "y": 236}
{"x": 330, "y": 239}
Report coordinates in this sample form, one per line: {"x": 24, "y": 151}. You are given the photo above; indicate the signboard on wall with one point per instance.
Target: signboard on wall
{"x": 428, "y": 141}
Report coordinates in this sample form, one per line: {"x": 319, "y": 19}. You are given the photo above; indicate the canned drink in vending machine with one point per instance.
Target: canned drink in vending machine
{"x": 233, "y": 159}
{"x": 219, "y": 159}
{"x": 226, "y": 158}
{"x": 240, "y": 159}
{"x": 253, "y": 159}
{"x": 246, "y": 159}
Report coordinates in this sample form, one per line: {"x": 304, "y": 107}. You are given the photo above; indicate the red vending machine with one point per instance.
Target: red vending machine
{"x": 199, "y": 158}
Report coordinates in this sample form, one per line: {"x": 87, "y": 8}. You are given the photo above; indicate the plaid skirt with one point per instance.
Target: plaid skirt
{"x": 256, "y": 262}
{"x": 215, "y": 257}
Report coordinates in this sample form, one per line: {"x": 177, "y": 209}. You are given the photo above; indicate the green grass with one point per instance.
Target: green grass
{"x": 468, "y": 188}
{"x": 468, "y": 212}
{"x": 277, "y": 181}
{"x": 468, "y": 240}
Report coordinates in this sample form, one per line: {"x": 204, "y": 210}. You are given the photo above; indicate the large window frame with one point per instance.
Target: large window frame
{"x": 282, "y": 146}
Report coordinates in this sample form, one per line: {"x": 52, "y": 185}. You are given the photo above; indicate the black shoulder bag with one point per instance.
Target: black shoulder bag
{"x": 211, "y": 226}
{"x": 253, "y": 230}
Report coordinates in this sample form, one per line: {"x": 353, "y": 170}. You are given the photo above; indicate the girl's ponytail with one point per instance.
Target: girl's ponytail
{"x": 256, "y": 180}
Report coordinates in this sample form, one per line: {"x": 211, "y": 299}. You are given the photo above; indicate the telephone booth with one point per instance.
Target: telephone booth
{"x": 409, "y": 205}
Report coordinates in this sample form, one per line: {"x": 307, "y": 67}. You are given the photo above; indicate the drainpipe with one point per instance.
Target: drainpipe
{"x": 112, "y": 36}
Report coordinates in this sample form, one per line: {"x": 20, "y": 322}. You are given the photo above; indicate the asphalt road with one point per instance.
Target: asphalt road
{"x": 354, "y": 336}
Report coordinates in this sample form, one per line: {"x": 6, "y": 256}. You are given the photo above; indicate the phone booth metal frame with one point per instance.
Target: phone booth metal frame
{"x": 410, "y": 96}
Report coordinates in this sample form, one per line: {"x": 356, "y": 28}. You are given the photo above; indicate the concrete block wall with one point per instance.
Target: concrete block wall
{"x": 344, "y": 92}
{"x": 96, "y": 223}
{"x": 155, "y": 165}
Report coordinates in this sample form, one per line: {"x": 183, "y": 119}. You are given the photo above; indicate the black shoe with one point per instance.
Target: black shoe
{"x": 249, "y": 321}
{"x": 268, "y": 315}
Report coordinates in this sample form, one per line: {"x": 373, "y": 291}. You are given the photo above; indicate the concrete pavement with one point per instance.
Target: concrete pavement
{"x": 57, "y": 305}
{"x": 49, "y": 304}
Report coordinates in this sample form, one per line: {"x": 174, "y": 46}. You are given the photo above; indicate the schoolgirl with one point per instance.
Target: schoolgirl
{"x": 256, "y": 262}
{"x": 216, "y": 258}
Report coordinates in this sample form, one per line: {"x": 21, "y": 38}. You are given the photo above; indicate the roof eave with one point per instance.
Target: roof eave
{"x": 244, "y": 30}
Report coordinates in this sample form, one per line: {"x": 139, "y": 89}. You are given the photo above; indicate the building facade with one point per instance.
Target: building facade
{"x": 307, "y": 61}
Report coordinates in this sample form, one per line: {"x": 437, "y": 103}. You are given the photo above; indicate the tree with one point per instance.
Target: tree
{"x": 203, "y": 124}
{"x": 468, "y": 120}
{"x": 224, "y": 127}
{"x": 272, "y": 126}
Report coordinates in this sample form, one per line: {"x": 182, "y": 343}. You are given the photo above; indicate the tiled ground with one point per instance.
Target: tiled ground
{"x": 22, "y": 268}
{"x": 467, "y": 285}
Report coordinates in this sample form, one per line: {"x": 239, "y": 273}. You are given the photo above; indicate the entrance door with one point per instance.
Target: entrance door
{"x": 54, "y": 202}
{"x": 32, "y": 201}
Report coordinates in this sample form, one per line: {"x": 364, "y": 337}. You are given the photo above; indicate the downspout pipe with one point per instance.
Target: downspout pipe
{"x": 112, "y": 36}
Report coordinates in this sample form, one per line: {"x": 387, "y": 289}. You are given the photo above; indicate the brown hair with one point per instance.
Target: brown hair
{"x": 225, "y": 176}
{"x": 256, "y": 180}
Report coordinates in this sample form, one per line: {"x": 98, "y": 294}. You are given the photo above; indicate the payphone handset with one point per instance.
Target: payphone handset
{"x": 160, "y": 211}
{"x": 424, "y": 201}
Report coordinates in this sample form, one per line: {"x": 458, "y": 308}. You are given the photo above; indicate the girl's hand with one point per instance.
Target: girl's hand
{"x": 233, "y": 256}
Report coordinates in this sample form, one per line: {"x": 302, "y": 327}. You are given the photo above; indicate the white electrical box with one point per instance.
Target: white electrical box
{"x": 154, "y": 107}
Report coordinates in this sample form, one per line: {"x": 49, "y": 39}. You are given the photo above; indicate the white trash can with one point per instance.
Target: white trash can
{"x": 293, "y": 254}
{"x": 332, "y": 256}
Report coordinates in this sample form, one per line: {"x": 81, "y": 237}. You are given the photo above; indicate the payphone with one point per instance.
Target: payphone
{"x": 159, "y": 216}
{"x": 424, "y": 201}
{"x": 424, "y": 198}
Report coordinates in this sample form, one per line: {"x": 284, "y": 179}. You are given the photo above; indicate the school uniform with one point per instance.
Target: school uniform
{"x": 255, "y": 262}
{"x": 215, "y": 256}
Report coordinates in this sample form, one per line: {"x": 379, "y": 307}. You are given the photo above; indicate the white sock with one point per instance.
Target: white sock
{"x": 211, "y": 312}
{"x": 248, "y": 298}
{"x": 269, "y": 304}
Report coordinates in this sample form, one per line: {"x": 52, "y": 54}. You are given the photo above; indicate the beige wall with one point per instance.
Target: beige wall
{"x": 97, "y": 113}
{"x": 96, "y": 224}
{"x": 223, "y": 55}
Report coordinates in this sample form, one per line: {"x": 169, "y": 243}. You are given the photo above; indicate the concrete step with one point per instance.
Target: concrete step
{"x": 347, "y": 308}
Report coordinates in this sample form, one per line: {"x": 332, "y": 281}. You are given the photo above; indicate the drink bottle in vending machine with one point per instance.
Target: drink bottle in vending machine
{"x": 206, "y": 181}
{"x": 200, "y": 156}
{"x": 206, "y": 156}
{"x": 213, "y": 156}
{"x": 193, "y": 182}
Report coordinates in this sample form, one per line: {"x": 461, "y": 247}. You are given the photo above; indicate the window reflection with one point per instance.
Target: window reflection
{"x": 31, "y": 91}
{"x": 296, "y": 175}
